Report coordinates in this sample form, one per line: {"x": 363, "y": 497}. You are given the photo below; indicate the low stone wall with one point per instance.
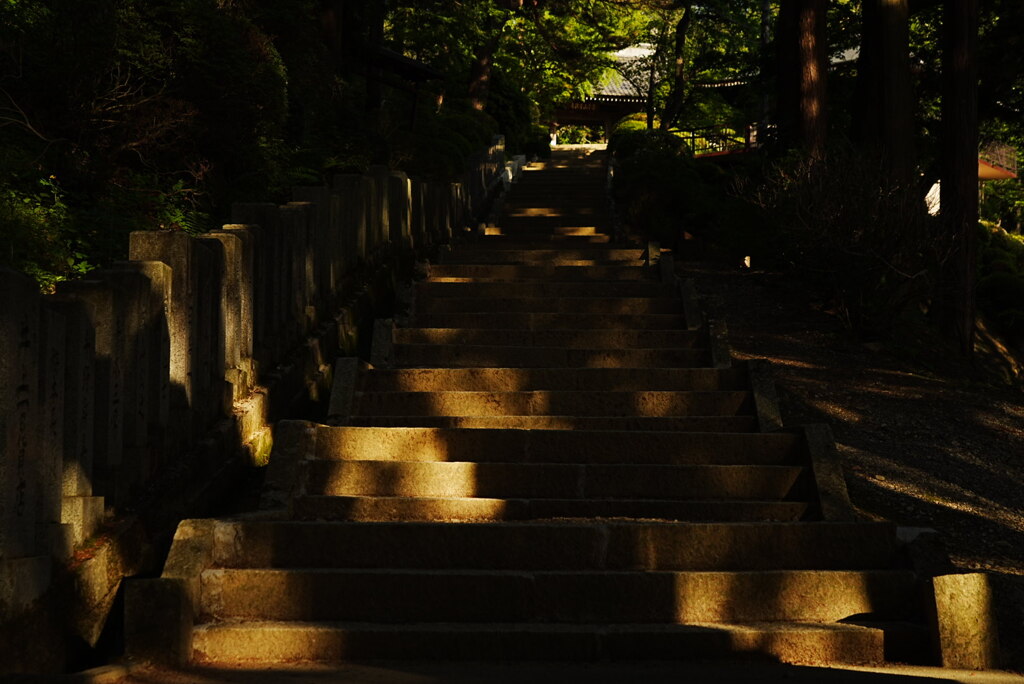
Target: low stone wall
{"x": 185, "y": 354}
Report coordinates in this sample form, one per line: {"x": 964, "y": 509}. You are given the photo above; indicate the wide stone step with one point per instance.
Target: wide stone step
{"x": 547, "y": 272}
{"x": 567, "y": 597}
{"x": 530, "y": 229}
{"x": 551, "y": 321}
{"x": 570, "y": 339}
{"x": 565, "y": 379}
{"x": 558, "y": 446}
{"x": 593, "y": 305}
{"x": 522, "y": 241}
{"x": 255, "y": 643}
{"x": 686, "y": 424}
{"x": 555, "y": 481}
{"x": 554, "y": 403}
{"x": 544, "y": 257}
{"x": 593, "y": 545}
{"x": 477, "y": 356}
{"x": 443, "y": 288}
{"x": 481, "y": 509}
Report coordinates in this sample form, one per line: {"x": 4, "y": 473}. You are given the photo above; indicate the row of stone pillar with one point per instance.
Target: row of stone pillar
{"x": 104, "y": 383}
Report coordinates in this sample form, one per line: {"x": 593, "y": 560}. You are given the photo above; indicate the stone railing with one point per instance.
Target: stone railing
{"x": 163, "y": 371}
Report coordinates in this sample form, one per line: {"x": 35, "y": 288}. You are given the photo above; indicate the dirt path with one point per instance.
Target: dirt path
{"x": 920, "y": 447}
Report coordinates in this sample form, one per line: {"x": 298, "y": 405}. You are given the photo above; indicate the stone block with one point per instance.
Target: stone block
{"x": 965, "y": 621}
{"x": 83, "y": 514}
{"x": 828, "y": 474}
{"x": 49, "y": 469}
{"x": 22, "y": 582}
{"x": 176, "y": 250}
{"x": 20, "y": 409}
{"x": 237, "y": 316}
{"x": 269, "y": 295}
{"x": 79, "y": 396}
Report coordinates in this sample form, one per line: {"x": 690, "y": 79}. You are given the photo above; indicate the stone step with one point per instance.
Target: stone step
{"x": 570, "y": 339}
{"x": 551, "y": 211}
{"x": 563, "y": 220}
{"x": 481, "y": 509}
{"x": 478, "y": 356}
{"x": 565, "y": 545}
{"x": 530, "y": 229}
{"x": 548, "y": 273}
{"x": 552, "y": 597}
{"x": 255, "y": 643}
{"x": 555, "y": 403}
{"x": 552, "y": 481}
{"x": 551, "y": 321}
{"x": 565, "y": 379}
{"x": 597, "y": 305}
{"x": 544, "y": 257}
{"x": 686, "y": 424}
{"x": 484, "y": 288}
{"x": 539, "y": 240}
{"x": 558, "y": 446}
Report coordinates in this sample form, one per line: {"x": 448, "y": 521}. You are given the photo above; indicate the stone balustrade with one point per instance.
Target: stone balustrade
{"x": 188, "y": 351}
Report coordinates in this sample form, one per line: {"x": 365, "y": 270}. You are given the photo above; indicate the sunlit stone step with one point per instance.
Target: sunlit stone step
{"x": 554, "y": 403}
{"x": 570, "y": 305}
{"x": 480, "y": 509}
{"x": 548, "y": 273}
{"x": 252, "y": 643}
{"x": 554, "y": 257}
{"x": 552, "y": 481}
{"x": 594, "y": 545}
{"x": 486, "y": 288}
{"x": 560, "y": 597}
{"x": 558, "y": 446}
{"x": 564, "y": 379}
{"x": 466, "y": 356}
{"x": 676, "y": 424}
{"x": 550, "y": 321}
{"x": 522, "y": 241}
{"x": 578, "y": 339}
{"x": 529, "y": 229}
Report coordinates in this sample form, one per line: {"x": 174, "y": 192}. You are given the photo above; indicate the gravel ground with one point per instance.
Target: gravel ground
{"x": 924, "y": 441}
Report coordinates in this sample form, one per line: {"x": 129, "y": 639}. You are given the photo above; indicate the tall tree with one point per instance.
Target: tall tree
{"x": 884, "y": 123}
{"x": 803, "y": 74}
{"x": 959, "y": 199}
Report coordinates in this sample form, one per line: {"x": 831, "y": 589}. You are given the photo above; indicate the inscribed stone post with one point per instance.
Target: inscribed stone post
{"x": 19, "y": 414}
{"x": 301, "y": 220}
{"x": 380, "y": 176}
{"x": 354, "y": 224}
{"x": 154, "y": 357}
{"x": 236, "y": 307}
{"x": 400, "y": 210}
{"x": 98, "y": 299}
{"x": 175, "y": 249}
{"x": 50, "y": 465}
{"x": 341, "y": 251}
{"x": 270, "y": 274}
{"x": 321, "y": 249}
{"x": 416, "y": 214}
{"x": 213, "y": 394}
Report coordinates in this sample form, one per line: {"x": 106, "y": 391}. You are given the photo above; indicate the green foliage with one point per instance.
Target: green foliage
{"x": 1001, "y": 279}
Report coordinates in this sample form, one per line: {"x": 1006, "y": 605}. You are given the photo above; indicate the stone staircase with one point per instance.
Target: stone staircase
{"x": 550, "y": 459}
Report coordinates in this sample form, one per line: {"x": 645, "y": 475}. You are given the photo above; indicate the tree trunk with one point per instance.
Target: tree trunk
{"x": 813, "y": 60}
{"x": 884, "y": 123}
{"x": 803, "y": 72}
{"x": 677, "y": 95}
{"x": 959, "y": 201}
{"x": 480, "y": 71}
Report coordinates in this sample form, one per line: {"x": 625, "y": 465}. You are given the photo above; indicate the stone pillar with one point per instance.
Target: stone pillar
{"x": 380, "y": 177}
{"x": 54, "y": 537}
{"x": 300, "y": 219}
{"x": 19, "y": 416}
{"x": 236, "y": 307}
{"x": 212, "y": 400}
{"x": 98, "y": 298}
{"x": 322, "y": 245}
{"x": 419, "y": 233}
{"x": 270, "y": 276}
{"x": 400, "y": 210}
{"x": 176, "y": 250}
{"x": 79, "y": 508}
{"x": 352, "y": 190}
